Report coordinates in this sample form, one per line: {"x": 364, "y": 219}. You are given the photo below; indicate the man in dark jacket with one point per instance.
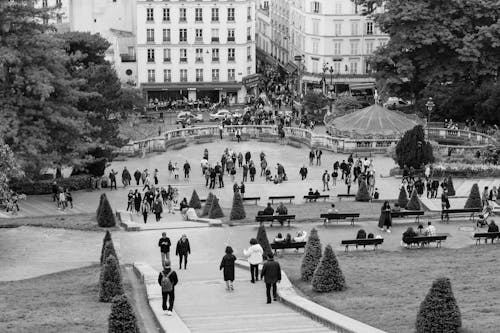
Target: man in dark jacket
{"x": 248, "y": 157}
{"x": 187, "y": 168}
{"x": 271, "y": 273}
{"x": 167, "y": 280}
{"x": 137, "y": 176}
{"x": 112, "y": 179}
{"x": 126, "y": 178}
{"x": 303, "y": 172}
{"x": 164, "y": 244}
{"x": 182, "y": 250}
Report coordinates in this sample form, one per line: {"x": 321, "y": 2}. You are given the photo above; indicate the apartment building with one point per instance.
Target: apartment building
{"x": 62, "y": 18}
{"x": 195, "y": 49}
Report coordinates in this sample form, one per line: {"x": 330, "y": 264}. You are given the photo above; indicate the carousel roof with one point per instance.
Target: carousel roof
{"x": 376, "y": 120}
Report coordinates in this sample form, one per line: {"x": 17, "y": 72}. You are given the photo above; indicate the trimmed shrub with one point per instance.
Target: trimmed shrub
{"x": 413, "y": 204}
{"x": 195, "y": 201}
{"x": 328, "y": 276}
{"x": 263, "y": 241}
{"x": 215, "y": 211}
{"x": 101, "y": 199}
{"x": 107, "y": 238}
{"x": 122, "y": 317}
{"x": 439, "y": 312}
{"x": 208, "y": 204}
{"x": 73, "y": 183}
{"x": 403, "y": 197}
{"x": 362, "y": 194}
{"x": 450, "y": 187}
{"x": 412, "y": 150}
{"x": 474, "y": 200}
{"x": 108, "y": 249}
{"x": 105, "y": 215}
{"x": 110, "y": 281}
{"x": 312, "y": 256}
{"x": 238, "y": 210}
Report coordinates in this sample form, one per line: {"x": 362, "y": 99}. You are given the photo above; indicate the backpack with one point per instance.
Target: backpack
{"x": 166, "y": 284}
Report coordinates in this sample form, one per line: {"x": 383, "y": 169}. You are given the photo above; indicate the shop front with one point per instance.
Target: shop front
{"x": 215, "y": 92}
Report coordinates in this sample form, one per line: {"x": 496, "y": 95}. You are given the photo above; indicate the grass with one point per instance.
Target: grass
{"x": 385, "y": 289}
{"x": 61, "y": 302}
{"x": 85, "y": 222}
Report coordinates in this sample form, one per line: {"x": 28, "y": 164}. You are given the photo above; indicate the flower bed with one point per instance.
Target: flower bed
{"x": 73, "y": 183}
{"x": 466, "y": 170}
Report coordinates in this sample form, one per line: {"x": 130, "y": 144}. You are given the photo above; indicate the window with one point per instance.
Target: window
{"x": 315, "y": 43}
{"x": 369, "y": 28}
{"x": 151, "y": 75}
{"x": 215, "y": 35}
{"x": 354, "y": 47}
{"x": 354, "y": 28}
{"x": 199, "y": 75}
{"x": 166, "y": 14}
{"x": 149, "y": 14}
{"x": 249, "y": 13}
{"x": 215, "y": 55}
{"x": 249, "y": 34}
{"x": 315, "y": 27}
{"x": 338, "y": 8}
{"x": 182, "y": 14}
{"x": 230, "y": 54}
{"x": 369, "y": 46}
{"x": 199, "y": 35}
{"x": 183, "y": 55}
{"x": 167, "y": 75}
{"x": 215, "y": 75}
{"x": 315, "y": 66}
{"x": 230, "y": 35}
{"x": 249, "y": 53}
{"x": 336, "y": 66}
{"x": 337, "y": 47}
{"x": 182, "y": 35}
{"x": 353, "y": 67}
{"x": 166, "y": 55}
{"x": 151, "y": 55}
{"x": 230, "y": 74}
{"x": 150, "y": 35}
{"x": 59, "y": 18}
{"x": 230, "y": 14}
{"x": 166, "y": 35}
{"x": 215, "y": 14}
{"x": 382, "y": 42}
{"x": 338, "y": 28}
{"x": 198, "y": 14}
{"x": 183, "y": 75}
{"x": 315, "y": 6}
{"x": 44, "y": 4}
{"x": 199, "y": 55}
{"x": 58, "y": 3}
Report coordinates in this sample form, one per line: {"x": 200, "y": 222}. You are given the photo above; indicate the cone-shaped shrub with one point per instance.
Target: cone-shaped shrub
{"x": 105, "y": 216}
{"x": 215, "y": 211}
{"x": 328, "y": 276}
{"x": 263, "y": 241}
{"x": 101, "y": 198}
{"x": 403, "y": 197}
{"x": 208, "y": 204}
{"x": 122, "y": 317}
{"x": 108, "y": 250}
{"x": 195, "y": 201}
{"x": 413, "y": 204}
{"x": 362, "y": 194}
{"x": 110, "y": 281}
{"x": 238, "y": 210}
{"x": 474, "y": 200}
{"x": 439, "y": 312}
{"x": 450, "y": 187}
{"x": 312, "y": 256}
{"x": 107, "y": 238}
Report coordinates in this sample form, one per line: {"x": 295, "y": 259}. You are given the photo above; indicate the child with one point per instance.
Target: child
{"x": 227, "y": 264}
{"x": 376, "y": 194}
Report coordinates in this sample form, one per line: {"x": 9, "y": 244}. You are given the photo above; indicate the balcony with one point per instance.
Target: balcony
{"x": 199, "y": 60}
{"x": 231, "y": 59}
{"x": 182, "y": 20}
{"x": 231, "y": 39}
{"x": 183, "y": 60}
{"x": 128, "y": 57}
{"x": 167, "y": 60}
{"x": 215, "y": 59}
{"x": 215, "y": 39}
{"x": 198, "y": 39}
{"x": 249, "y": 38}
{"x": 151, "y": 60}
{"x": 215, "y": 79}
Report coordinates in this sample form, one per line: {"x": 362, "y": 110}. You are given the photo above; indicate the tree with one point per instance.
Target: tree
{"x": 208, "y": 204}
{"x": 474, "y": 200}
{"x": 105, "y": 215}
{"x": 9, "y": 168}
{"x": 328, "y": 276}
{"x": 414, "y": 203}
{"x": 412, "y": 150}
{"x": 312, "y": 256}
{"x": 107, "y": 238}
{"x": 314, "y": 101}
{"x": 346, "y": 103}
{"x": 215, "y": 211}
{"x": 362, "y": 194}
{"x": 439, "y": 312}
{"x": 450, "y": 187}
{"x": 263, "y": 241}
{"x": 403, "y": 197}
{"x": 195, "y": 201}
{"x": 108, "y": 250}
{"x": 238, "y": 210}
{"x": 122, "y": 317}
{"x": 110, "y": 281}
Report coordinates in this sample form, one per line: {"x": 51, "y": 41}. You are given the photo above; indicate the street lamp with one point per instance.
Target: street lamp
{"x": 429, "y": 105}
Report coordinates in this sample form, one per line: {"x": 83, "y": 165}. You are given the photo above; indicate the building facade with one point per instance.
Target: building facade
{"x": 194, "y": 50}
{"x": 61, "y": 19}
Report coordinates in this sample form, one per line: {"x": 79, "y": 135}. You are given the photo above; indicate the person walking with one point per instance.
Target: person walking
{"x": 187, "y": 169}
{"x": 252, "y": 171}
{"x": 156, "y": 174}
{"x": 254, "y": 254}
{"x": 248, "y": 156}
{"x": 348, "y": 182}
{"x": 242, "y": 189}
{"x": 146, "y": 207}
{"x": 240, "y": 159}
{"x": 167, "y": 280}
{"x": 137, "y": 201}
{"x": 158, "y": 208}
{"x": 164, "y": 244}
{"x": 112, "y": 179}
{"x": 319, "y": 152}
{"x": 271, "y": 273}
{"x": 303, "y": 172}
{"x": 245, "y": 172}
{"x": 137, "y": 176}
{"x": 326, "y": 180}
{"x": 126, "y": 177}
{"x": 227, "y": 265}
{"x": 182, "y": 250}
{"x": 311, "y": 157}
{"x": 263, "y": 167}
{"x": 385, "y": 219}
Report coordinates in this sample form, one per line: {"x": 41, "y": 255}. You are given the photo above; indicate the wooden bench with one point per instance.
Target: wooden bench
{"x": 310, "y": 198}
{"x": 362, "y": 242}
{"x": 203, "y": 200}
{"x": 340, "y": 196}
{"x": 339, "y": 216}
{"x": 416, "y": 213}
{"x": 243, "y": 137}
{"x": 251, "y": 199}
{"x": 271, "y": 218}
{"x": 287, "y": 245}
{"x": 283, "y": 197}
{"x": 486, "y": 235}
{"x": 422, "y": 240}
{"x": 447, "y": 212}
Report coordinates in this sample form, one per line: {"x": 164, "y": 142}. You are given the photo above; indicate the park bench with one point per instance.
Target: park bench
{"x": 203, "y": 138}
{"x": 447, "y": 212}
{"x": 283, "y": 197}
{"x": 422, "y": 240}
{"x": 243, "y": 137}
{"x": 310, "y": 198}
{"x": 271, "y": 218}
{"x": 486, "y": 235}
{"x": 362, "y": 242}
{"x": 340, "y": 196}
{"x": 287, "y": 245}
{"x": 251, "y": 199}
{"x": 339, "y": 216}
{"x": 203, "y": 200}
{"x": 416, "y": 213}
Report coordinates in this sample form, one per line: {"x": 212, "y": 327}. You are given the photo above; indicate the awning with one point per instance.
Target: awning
{"x": 226, "y": 86}
{"x": 361, "y": 86}
{"x": 291, "y": 68}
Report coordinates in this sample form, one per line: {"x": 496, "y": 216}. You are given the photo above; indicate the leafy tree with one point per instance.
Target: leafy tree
{"x": 105, "y": 215}
{"x": 107, "y": 238}
{"x": 195, "y": 201}
{"x": 403, "y": 197}
{"x": 9, "y": 168}
{"x": 439, "y": 312}
{"x": 110, "y": 281}
{"x": 238, "y": 210}
{"x": 328, "y": 276}
{"x": 474, "y": 200}
{"x": 346, "y": 103}
{"x": 414, "y": 203}
{"x": 263, "y": 241}
{"x": 362, "y": 194}
{"x": 312, "y": 256}
{"x": 412, "y": 150}
{"x": 107, "y": 250}
{"x": 208, "y": 204}
{"x": 122, "y": 317}
{"x": 314, "y": 101}
{"x": 450, "y": 187}
{"x": 215, "y": 211}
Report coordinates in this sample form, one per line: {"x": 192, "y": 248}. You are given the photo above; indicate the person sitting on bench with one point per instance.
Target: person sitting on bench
{"x": 492, "y": 227}
{"x": 396, "y": 208}
{"x": 279, "y": 238}
{"x": 332, "y": 209}
{"x": 269, "y": 177}
{"x": 301, "y": 236}
{"x": 268, "y": 210}
{"x": 408, "y": 234}
{"x": 288, "y": 238}
{"x": 481, "y": 222}
{"x": 370, "y": 236}
{"x": 430, "y": 230}
{"x": 361, "y": 234}
{"x": 311, "y": 193}
{"x": 317, "y": 194}
{"x": 281, "y": 209}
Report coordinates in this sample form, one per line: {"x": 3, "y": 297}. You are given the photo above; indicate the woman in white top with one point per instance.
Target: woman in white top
{"x": 301, "y": 237}
{"x": 254, "y": 254}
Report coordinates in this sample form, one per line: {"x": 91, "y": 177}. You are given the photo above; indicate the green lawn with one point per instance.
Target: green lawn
{"x": 85, "y": 222}
{"x": 385, "y": 289}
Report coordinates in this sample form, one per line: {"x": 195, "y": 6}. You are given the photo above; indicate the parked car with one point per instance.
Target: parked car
{"x": 220, "y": 115}
{"x": 184, "y": 116}
{"x": 395, "y": 102}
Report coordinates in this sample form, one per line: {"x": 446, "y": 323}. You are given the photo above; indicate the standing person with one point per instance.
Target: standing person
{"x": 445, "y": 204}
{"x": 240, "y": 159}
{"x": 112, "y": 179}
{"x": 146, "y": 207}
{"x": 236, "y": 188}
{"x": 254, "y": 254}
{"x": 335, "y": 174}
{"x": 245, "y": 172}
{"x": 187, "y": 168}
{"x": 319, "y": 152}
{"x": 348, "y": 182}
{"x": 137, "y": 201}
{"x": 144, "y": 175}
{"x": 126, "y": 177}
{"x": 311, "y": 157}
{"x": 485, "y": 196}
{"x": 343, "y": 167}
{"x": 167, "y": 280}
{"x": 303, "y": 172}
{"x": 221, "y": 128}
{"x": 271, "y": 273}
{"x": 55, "y": 191}
{"x": 158, "y": 209}
{"x": 385, "y": 217}
{"x": 130, "y": 201}
{"x": 69, "y": 198}
{"x": 248, "y": 156}
{"x": 227, "y": 264}
{"x": 176, "y": 171}
{"x": 155, "y": 176}
{"x": 62, "y": 199}
{"x": 326, "y": 180}
{"x": 164, "y": 244}
{"x": 242, "y": 189}
{"x": 182, "y": 250}
{"x": 263, "y": 167}
{"x": 253, "y": 171}
{"x": 137, "y": 176}
{"x": 238, "y": 135}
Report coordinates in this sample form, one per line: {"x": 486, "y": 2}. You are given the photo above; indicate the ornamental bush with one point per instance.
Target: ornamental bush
{"x": 263, "y": 241}
{"x": 215, "y": 211}
{"x": 474, "y": 200}
{"x": 29, "y": 187}
{"x": 413, "y": 204}
{"x": 328, "y": 276}
{"x": 195, "y": 201}
{"x": 450, "y": 187}
{"x": 122, "y": 317}
{"x": 312, "y": 256}
{"x": 108, "y": 250}
{"x": 110, "y": 281}
{"x": 208, "y": 204}
{"x": 107, "y": 238}
{"x": 403, "y": 197}
{"x": 439, "y": 312}
{"x": 238, "y": 210}
{"x": 412, "y": 150}
{"x": 105, "y": 215}
{"x": 362, "y": 194}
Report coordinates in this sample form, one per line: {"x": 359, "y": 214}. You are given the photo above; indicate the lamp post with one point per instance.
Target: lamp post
{"x": 323, "y": 78}
{"x": 429, "y": 105}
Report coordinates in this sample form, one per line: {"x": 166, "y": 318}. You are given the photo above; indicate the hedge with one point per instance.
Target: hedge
{"x": 122, "y": 317}
{"x": 73, "y": 183}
